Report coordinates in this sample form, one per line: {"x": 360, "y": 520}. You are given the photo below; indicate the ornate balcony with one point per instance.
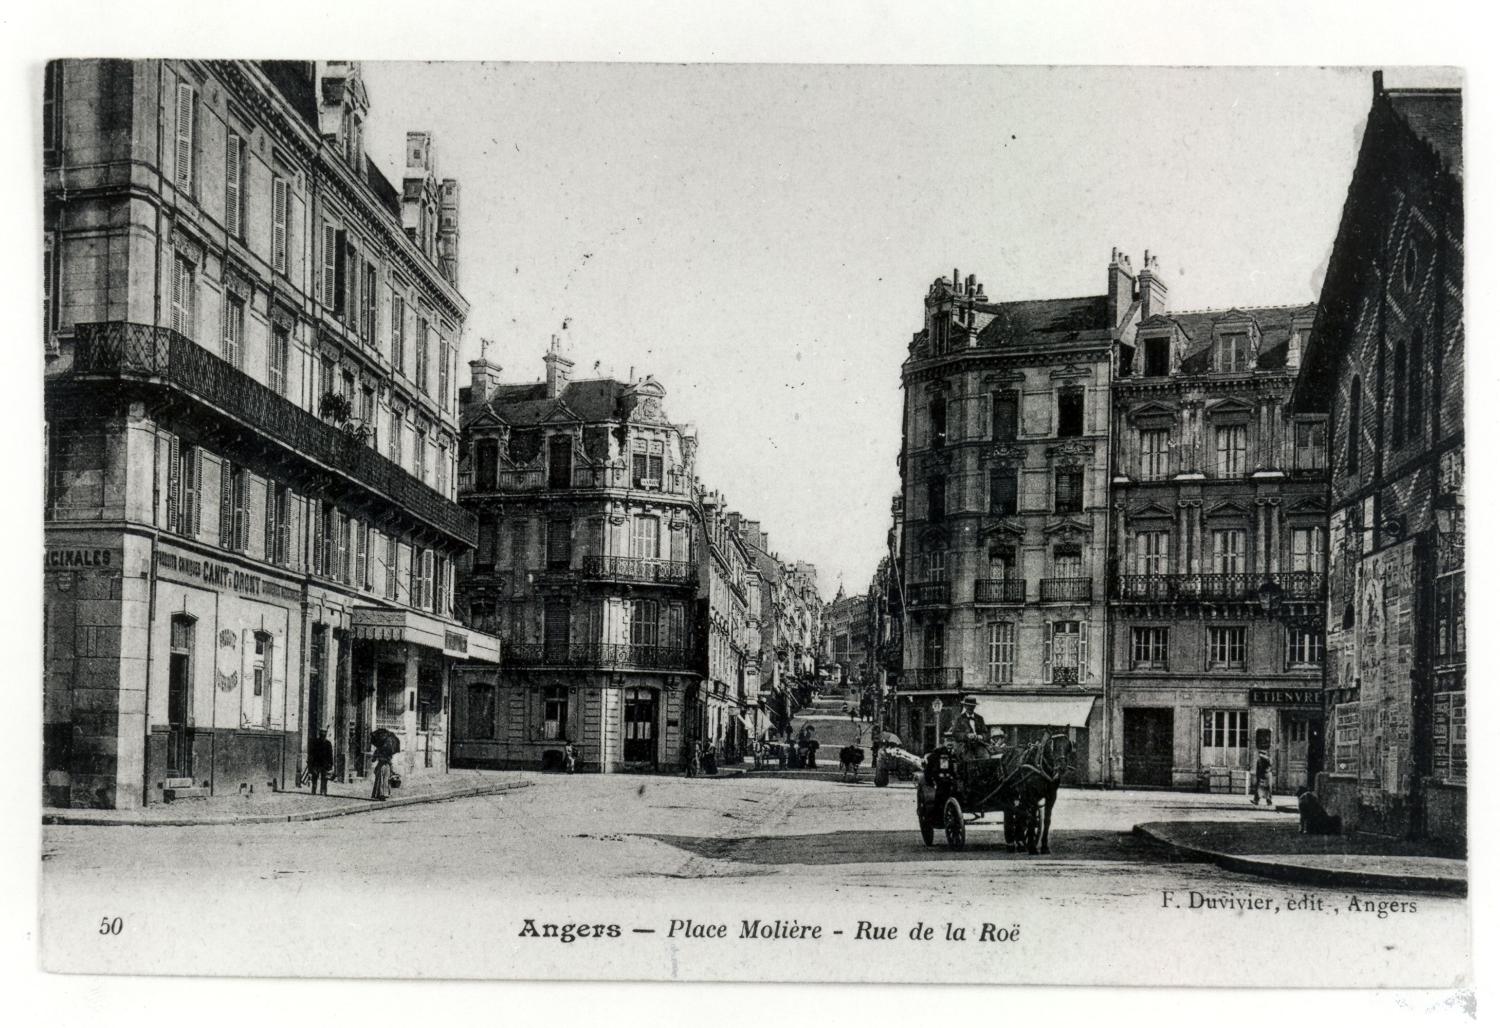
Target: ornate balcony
{"x": 1067, "y": 590}
{"x": 1000, "y": 590}
{"x": 1235, "y": 587}
{"x": 151, "y": 356}
{"x": 640, "y": 569}
{"x": 598, "y": 655}
{"x": 934, "y": 678}
{"x": 928, "y": 594}
{"x": 535, "y": 480}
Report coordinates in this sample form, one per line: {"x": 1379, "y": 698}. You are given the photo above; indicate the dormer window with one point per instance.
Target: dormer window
{"x": 1158, "y": 357}
{"x": 1234, "y": 351}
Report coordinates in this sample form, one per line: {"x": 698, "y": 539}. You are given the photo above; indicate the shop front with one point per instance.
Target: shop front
{"x": 1029, "y": 719}
{"x": 400, "y": 672}
{"x": 1293, "y": 738}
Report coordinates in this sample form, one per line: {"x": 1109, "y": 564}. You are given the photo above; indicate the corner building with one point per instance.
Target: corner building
{"x": 587, "y": 566}
{"x": 250, "y": 523}
{"x": 1386, "y": 365}
{"x": 1218, "y": 532}
{"x": 1005, "y": 486}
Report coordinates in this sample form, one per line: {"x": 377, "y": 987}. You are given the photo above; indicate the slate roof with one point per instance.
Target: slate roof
{"x": 1436, "y": 116}
{"x": 593, "y": 400}
{"x": 1275, "y": 332}
{"x": 1045, "y": 321}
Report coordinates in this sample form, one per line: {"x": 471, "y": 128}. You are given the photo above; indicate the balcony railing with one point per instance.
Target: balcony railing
{"x": 935, "y": 677}
{"x": 1000, "y": 590}
{"x": 1220, "y": 587}
{"x": 1072, "y": 590}
{"x": 531, "y": 480}
{"x": 598, "y": 655}
{"x": 640, "y": 569}
{"x": 928, "y": 594}
{"x": 127, "y": 350}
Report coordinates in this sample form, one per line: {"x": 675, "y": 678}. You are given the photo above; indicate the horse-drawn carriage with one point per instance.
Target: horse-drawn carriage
{"x": 959, "y": 786}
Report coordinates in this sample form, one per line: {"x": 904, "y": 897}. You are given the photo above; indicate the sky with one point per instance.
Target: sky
{"x": 760, "y": 237}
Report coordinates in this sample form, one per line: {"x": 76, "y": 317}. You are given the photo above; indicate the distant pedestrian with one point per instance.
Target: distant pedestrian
{"x": 570, "y": 757}
{"x": 1260, "y": 783}
{"x": 381, "y": 789}
{"x": 319, "y": 763}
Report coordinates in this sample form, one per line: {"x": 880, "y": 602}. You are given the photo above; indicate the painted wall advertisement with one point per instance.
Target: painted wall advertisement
{"x": 1384, "y": 637}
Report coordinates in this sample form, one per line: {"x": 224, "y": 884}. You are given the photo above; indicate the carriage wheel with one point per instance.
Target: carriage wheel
{"x": 882, "y": 777}
{"x": 923, "y": 821}
{"x": 953, "y": 823}
{"x": 1032, "y": 835}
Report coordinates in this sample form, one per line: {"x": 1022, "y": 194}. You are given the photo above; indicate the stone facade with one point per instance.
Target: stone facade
{"x": 250, "y": 527}
{"x": 1386, "y": 364}
{"x": 1005, "y": 479}
{"x": 588, "y": 566}
{"x": 1217, "y": 540}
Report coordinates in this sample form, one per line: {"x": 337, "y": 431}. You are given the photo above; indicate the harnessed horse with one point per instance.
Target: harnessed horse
{"x": 1042, "y": 767}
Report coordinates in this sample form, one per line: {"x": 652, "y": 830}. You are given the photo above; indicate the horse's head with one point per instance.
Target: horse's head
{"x": 1057, "y": 753}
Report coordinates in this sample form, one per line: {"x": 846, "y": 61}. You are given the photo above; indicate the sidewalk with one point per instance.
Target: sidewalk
{"x": 266, "y": 807}
{"x": 1277, "y": 850}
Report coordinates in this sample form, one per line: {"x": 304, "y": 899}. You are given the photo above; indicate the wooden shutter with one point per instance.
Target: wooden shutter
{"x": 241, "y": 510}
{"x": 330, "y": 263}
{"x": 1083, "y": 652}
{"x": 234, "y": 179}
{"x": 317, "y": 537}
{"x": 1046, "y": 651}
{"x": 184, "y": 159}
{"x": 192, "y": 494}
{"x": 270, "y": 523}
{"x": 281, "y": 197}
{"x": 361, "y": 556}
{"x": 174, "y": 485}
{"x": 226, "y": 504}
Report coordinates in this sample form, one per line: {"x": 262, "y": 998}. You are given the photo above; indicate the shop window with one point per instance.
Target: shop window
{"x": 555, "y": 712}
{"x": 1226, "y": 738}
{"x": 481, "y": 711}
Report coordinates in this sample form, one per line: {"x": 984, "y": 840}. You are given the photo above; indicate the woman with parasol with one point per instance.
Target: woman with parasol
{"x": 384, "y": 744}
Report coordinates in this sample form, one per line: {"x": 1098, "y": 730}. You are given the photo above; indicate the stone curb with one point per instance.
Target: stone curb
{"x": 360, "y": 807}
{"x": 1306, "y": 875}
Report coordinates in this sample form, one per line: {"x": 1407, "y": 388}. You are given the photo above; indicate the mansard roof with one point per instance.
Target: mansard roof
{"x": 1274, "y": 324}
{"x": 1043, "y": 321}
{"x": 589, "y": 400}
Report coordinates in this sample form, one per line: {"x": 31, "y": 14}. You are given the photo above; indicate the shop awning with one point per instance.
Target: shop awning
{"x": 383, "y": 624}
{"x": 1045, "y": 711}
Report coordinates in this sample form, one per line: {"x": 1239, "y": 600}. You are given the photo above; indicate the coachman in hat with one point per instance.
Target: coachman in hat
{"x": 970, "y": 734}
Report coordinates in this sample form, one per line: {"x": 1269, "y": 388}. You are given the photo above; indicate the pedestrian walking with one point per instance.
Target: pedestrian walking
{"x": 319, "y": 763}
{"x": 384, "y": 744}
{"x": 1260, "y": 783}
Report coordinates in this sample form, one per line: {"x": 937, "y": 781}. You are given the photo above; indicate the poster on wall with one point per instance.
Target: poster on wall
{"x": 1384, "y": 632}
{"x": 1449, "y": 743}
{"x": 1346, "y": 738}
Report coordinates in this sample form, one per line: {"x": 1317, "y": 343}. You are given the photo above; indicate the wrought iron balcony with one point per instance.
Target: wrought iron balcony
{"x": 1000, "y": 590}
{"x": 1069, "y": 590}
{"x": 534, "y": 480}
{"x": 928, "y": 594}
{"x": 640, "y": 569}
{"x": 1220, "y": 587}
{"x": 935, "y": 677}
{"x": 151, "y": 355}
{"x": 598, "y": 655}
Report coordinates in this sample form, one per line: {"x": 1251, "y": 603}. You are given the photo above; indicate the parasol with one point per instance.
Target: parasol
{"x": 387, "y": 742}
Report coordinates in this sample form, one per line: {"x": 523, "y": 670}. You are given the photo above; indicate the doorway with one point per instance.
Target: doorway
{"x": 1148, "y": 746}
{"x": 180, "y": 698}
{"x": 1297, "y": 733}
{"x": 640, "y": 726}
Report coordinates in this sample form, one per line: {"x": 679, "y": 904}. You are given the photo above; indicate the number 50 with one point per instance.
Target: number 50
{"x": 111, "y": 926}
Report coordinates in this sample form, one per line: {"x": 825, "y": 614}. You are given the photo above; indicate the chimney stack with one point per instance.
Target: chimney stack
{"x": 447, "y": 230}
{"x": 1121, "y": 286}
{"x": 1153, "y": 288}
{"x": 559, "y": 370}
{"x": 485, "y": 375}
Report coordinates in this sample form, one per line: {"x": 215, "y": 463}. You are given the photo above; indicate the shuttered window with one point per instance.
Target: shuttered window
{"x": 234, "y": 185}
{"x": 398, "y": 332}
{"x": 361, "y": 555}
{"x": 330, "y": 263}
{"x": 392, "y": 561}
{"x": 281, "y": 223}
{"x": 184, "y": 295}
{"x": 186, "y": 130}
{"x": 234, "y": 329}
{"x": 277, "y": 358}
{"x": 234, "y": 520}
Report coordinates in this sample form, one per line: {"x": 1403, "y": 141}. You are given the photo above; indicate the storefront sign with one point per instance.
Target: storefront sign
{"x": 80, "y": 557}
{"x": 223, "y": 576}
{"x": 456, "y": 641}
{"x": 1286, "y": 697}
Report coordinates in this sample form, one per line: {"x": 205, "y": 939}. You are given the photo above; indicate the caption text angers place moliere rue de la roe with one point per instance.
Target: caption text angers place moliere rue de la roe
{"x": 779, "y": 930}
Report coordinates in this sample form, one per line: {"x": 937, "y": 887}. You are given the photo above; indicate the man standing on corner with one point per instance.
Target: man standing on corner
{"x": 319, "y": 763}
